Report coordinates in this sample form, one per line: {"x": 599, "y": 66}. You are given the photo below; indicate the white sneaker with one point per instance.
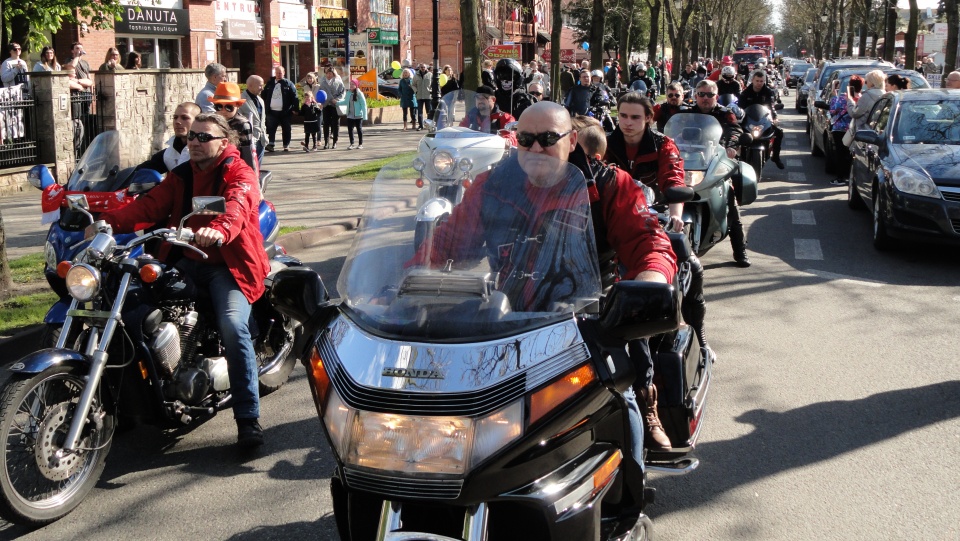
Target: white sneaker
{"x": 350, "y": 147}
{"x": 360, "y": 147}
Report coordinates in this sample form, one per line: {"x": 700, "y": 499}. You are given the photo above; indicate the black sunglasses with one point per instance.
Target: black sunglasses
{"x": 203, "y": 137}
{"x": 673, "y": 95}
{"x": 546, "y": 139}
{"x": 220, "y": 107}
{"x": 706, "y": 94}
{"x": 536, "y": 93}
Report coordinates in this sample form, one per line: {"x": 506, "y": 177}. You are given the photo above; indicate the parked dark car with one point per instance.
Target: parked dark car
{"x": 906, "y": 167}
{"x": 821, "y": 142}
{"x": 796, "y": 74}
{"x": 390, "y": 89}
{"x": 804, "y": 89}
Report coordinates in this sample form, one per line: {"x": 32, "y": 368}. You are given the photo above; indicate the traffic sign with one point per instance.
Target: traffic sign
{"x": 496, "y": 52}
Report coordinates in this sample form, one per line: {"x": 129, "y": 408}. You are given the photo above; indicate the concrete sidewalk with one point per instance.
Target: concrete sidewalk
{"x": 303, "y": 189}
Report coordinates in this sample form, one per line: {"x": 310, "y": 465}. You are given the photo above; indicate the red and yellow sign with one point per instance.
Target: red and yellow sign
{"x": 496, "y": 52}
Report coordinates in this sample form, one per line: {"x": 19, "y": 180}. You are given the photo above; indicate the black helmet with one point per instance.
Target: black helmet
{"x": 508, "y": 71}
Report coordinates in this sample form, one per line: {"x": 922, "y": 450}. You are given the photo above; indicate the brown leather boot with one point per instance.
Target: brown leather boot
{"x": 654, "y": 438}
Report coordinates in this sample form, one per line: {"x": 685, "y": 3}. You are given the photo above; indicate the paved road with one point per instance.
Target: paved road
{"x": 835, "y": 413}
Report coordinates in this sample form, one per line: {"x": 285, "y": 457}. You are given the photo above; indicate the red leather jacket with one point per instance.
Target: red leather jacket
{"x": 657, "y": 162}
{"x": 242, "y": 249}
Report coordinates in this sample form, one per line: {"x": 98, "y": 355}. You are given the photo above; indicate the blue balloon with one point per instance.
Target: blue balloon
{"x": 321, "y": 96}
{"x": 586, "y": 46}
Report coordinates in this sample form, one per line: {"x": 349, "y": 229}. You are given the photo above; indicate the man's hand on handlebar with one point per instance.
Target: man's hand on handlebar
{"x": 674, "y": 224}
{"x": 206, "y": 236}
{"x": 732, "y": 153}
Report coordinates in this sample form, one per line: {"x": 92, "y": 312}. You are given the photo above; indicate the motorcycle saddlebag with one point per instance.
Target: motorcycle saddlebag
{"x": 745, "y": 184}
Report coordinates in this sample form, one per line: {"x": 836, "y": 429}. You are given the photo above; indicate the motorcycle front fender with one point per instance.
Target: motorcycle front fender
{"x": 39, "y": 361}
{"x": 57, "y": 313}
{"x": 433, "y": 209}
{"x": 745, "y": 184}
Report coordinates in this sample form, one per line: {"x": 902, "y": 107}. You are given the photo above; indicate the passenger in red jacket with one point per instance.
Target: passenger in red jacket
{"x": 648, "y": 155}
{"x": 234, "y": 272}
{"x": 487, "y": 117}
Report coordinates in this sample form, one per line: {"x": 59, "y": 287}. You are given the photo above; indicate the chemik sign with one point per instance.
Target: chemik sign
{"x": 155, "y": 21}
{"x": 496, "y": 52}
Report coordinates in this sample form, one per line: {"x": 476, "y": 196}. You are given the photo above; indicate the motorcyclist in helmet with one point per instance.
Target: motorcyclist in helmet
{"x": 510, "y": 92}
{"x": 605, "y": 94}
{"x": 725, "y": 61}
{"x": 728, "y": 83}
{"x": 759, "y": 93}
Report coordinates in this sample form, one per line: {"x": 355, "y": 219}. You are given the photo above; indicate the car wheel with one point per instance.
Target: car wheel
{"x": 881, "y": 239}
{"x": 853, "y": 196}
{"x": 814, "y": 150}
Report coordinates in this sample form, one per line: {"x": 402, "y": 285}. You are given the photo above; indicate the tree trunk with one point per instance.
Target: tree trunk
{"x": 953, "y": 21}
{"x": 556, "y": 25}
{"x": 623, "y": 47}
{"x": 890, "y": 34}
{"x": 471, "y": 43}
{"x": 910, "y": 39}
{"x": 596, "y": 34}
{"x": 6, "y": 282}
{"x": 654, "y": 31}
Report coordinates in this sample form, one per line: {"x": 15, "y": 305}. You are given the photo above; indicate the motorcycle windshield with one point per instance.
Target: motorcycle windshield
{"x": 517, "y": 253}
{"x": 757, "y": 115}
{"x": 99, "y": 168}
{"x": 697, "y": 137}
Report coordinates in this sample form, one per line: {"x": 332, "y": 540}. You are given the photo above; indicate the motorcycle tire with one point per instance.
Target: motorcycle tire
{"x": 756, "y": 161}
{"x": 51, "y": 334}
{"x": 35, "y": 411}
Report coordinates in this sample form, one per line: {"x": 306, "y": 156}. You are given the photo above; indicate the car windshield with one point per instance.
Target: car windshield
{"x": 799, "y": 69}
{"x": 102, "y": 167}
{"x": 517, "y": 253}
{"x": 811, "y": 75}
{"x": 928, "y": 122}
{"x": 697, "y": 137}
{"x": 749, "y": 58}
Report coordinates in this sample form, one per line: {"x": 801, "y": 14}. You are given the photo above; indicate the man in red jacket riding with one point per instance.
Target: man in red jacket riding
{"x": 233, "y": 272}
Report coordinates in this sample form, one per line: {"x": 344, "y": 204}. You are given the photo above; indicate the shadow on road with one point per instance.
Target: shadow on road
{"x": 806, "y": 436}
{"x": 321, "y": 530}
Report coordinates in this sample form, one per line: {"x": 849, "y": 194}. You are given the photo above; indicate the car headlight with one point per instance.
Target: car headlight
{"x": 50, "y": 255}
{"x": 909, "y": 180}
{"x": 83, "y": 282}
{"x": 444, "y": 163}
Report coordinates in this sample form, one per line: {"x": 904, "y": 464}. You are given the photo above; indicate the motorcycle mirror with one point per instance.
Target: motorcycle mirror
{"x": 209, "y": 206}
{"x": 78, "y": 202}
{"x": 778, "y": 106}
{"x": 636, "y": 309}
{"x": 746, "y": 138}
{"x": 820, "y": 104}
{"x": 678, "y": 194}
{"x": 511, "y": 126}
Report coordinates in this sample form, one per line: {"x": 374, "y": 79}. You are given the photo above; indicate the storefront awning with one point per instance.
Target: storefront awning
{"x": 543, "y": 37}
{"x": 494, "y": 32}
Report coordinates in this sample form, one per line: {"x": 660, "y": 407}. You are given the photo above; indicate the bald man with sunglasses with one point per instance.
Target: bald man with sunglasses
{"x": 626, "y": 231}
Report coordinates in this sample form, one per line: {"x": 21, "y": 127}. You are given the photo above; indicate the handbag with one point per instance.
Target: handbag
{"x": 848, "y": 136}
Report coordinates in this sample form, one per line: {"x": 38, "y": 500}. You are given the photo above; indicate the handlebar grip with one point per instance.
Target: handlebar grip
{"x": 219, "y": 243}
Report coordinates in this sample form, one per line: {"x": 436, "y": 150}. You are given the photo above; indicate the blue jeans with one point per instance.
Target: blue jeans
{"x": 636, "y": 426}
{"x": 232, "y": 311}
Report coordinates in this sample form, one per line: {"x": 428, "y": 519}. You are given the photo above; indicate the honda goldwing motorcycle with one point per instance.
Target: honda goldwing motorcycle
{"x": 470, "y": 388}
{"x": 758, "y": 122}
{"x": 448, "y": 158}
{"x": 109, "y": 182}
{"x": 146, "y": 349}
{"x": 712, "y": 175}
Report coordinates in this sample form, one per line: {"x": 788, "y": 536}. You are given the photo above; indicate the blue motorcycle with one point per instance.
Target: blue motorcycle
{"x": 108, "y": 183}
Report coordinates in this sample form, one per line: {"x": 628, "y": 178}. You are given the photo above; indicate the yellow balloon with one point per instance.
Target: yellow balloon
{"x": 442, "y": 79}
{"x": 395, "y": 65}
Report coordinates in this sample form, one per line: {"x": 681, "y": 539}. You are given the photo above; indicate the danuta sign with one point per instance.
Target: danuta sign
{"x": 149, "y": 20}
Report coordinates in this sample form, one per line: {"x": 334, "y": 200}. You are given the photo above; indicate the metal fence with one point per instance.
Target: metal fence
{"x": 18, "y": 128}
{"x": 87, "y": 120}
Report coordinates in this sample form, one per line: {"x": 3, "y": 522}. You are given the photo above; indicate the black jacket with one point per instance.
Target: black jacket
{"x": 749, "y": 97}
{"x": 291, "y": 103}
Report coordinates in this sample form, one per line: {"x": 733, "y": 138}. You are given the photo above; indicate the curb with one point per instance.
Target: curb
{"x": 19, "y": 345}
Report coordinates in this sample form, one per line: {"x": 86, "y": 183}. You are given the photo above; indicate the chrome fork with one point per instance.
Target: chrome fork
{"x": 474, "y": 525}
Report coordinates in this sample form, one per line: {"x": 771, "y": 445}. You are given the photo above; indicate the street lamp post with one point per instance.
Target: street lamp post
{"x": 828, "y": 41}
{"x": 435, "y": 80}
{"x": 709, "y": 43}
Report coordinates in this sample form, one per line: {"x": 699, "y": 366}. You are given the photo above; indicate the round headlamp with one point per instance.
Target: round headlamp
{"x": 83, "y": 282}
{"x": 444, "y": 163}
{"x": 465, "y": 165}
{"x": 419, "y": 164}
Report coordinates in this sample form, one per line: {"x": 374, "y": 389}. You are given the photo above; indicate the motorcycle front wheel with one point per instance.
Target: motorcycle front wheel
{"x": 36, "y": 485}
{"x": 756, "y": 161}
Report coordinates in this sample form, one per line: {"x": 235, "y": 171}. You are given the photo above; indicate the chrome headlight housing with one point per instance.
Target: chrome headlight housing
{"x": 83, "y": 282}
{"x": 912, "y": 181}
{"x": 444, "y": 163}
{"x": 419, "y": 444}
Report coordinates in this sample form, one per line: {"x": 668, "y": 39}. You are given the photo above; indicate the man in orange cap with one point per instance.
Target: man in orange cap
{"x": 226, "y": 102}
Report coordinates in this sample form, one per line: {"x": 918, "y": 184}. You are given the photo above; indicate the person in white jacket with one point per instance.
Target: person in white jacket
{"x": 13, "y": 66}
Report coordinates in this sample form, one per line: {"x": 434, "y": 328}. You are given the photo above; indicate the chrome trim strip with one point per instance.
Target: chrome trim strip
{"x": 403, "y": 487}
{"x": 474, "y": 525}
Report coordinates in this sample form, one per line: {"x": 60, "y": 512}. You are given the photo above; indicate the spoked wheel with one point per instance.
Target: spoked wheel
{"x": 38, "y": 482}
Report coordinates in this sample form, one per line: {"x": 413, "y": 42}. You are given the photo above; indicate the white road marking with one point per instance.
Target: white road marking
{"x": 796, "y": 177}
{"x": 794, "y": 163}
{"x": 844, "y": 278}
{"x": 798, "y": 195}
{"x": 807, "y": 249}
{"x": 803, "y": 217}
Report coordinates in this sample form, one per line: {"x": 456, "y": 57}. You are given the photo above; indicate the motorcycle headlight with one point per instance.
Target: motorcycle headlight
{"x": 83, "y": 282}
{"x": 419, "y": 165}
{"x": 692, "y": 178}
{"x": 50, "y": 255}
{"x": 419, "y": 444}
{"x": 757, "y": 130}
{"x": 444, "y": 163}
{"x": 909, "y": 180}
